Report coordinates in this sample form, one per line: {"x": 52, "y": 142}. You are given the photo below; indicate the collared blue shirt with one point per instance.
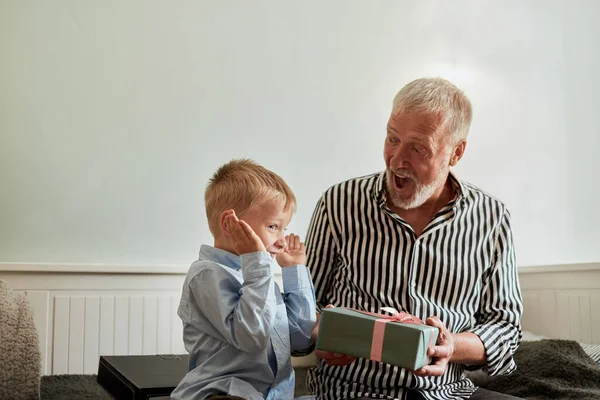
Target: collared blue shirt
{"x": 238, "y": 327}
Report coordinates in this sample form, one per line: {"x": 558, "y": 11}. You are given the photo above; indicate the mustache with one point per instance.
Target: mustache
{"x": 404, "y": 172}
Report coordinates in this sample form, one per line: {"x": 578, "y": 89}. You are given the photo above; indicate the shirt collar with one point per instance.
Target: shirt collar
{"x": 380, "y": 195}
{"x": 222, "y": 257}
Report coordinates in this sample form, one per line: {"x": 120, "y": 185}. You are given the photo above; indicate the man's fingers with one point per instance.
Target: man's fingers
{"x": 436, "y": 368}
{"x": 435, "y": 321}
{"x": 431, "y": 370}
{"x": 439, "y": 351}
{"x": 334, "y": 358}
{"x": 341, "y": 361}
{"x": 442, "y": 331}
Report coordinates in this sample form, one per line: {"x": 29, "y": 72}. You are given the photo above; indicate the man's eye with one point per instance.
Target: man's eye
{"x": 418, "y": 150}
{"x": 392, "y": 139}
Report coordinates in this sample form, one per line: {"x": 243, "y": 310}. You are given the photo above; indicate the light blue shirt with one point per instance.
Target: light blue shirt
{"x": 238, "y": 327}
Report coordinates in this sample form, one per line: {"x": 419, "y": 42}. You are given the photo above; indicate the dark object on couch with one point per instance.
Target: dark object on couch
{"x": 549, "y": 369}
{"x": 141, "y": 377}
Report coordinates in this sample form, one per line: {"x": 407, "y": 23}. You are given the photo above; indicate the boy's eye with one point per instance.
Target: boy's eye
{"x": 272, "y": 227}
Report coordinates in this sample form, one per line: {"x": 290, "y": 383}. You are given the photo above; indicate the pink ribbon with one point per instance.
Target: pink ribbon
{"x": 379, "y": 327}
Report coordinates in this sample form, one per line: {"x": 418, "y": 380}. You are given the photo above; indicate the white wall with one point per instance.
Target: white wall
{"x": 113, "y": 114}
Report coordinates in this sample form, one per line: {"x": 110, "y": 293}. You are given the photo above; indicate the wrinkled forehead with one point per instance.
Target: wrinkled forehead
{"x": 427, "y": 123}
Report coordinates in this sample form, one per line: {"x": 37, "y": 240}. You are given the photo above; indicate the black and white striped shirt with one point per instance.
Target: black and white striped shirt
{"x": 461, "y": 269}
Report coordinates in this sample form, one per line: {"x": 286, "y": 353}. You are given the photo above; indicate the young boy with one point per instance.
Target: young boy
{"x": 238, "y": 327}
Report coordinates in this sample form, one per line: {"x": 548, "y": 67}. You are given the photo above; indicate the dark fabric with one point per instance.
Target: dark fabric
{"x": 483, "y": 394}
{"x": 69, "y": 387}
{"x": 411, "y": 396}
{"x": 550, "y": 369}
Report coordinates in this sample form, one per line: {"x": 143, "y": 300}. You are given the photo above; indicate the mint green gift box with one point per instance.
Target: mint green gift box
{"x": 347, "y": 331}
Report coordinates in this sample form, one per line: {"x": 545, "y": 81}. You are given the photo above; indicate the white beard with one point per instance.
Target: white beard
{"x": 421, "y": 194}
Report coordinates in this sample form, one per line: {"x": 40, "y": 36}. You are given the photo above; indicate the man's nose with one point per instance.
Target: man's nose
{"x": 400, "y": 156}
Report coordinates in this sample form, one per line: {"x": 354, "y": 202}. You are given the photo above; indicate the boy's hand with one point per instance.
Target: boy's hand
{"x": 294, "y": 252}
{"x": 243, "y": 237}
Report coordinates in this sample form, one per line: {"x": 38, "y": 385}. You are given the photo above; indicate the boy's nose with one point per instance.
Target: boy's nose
{"x": 280, "y": 243}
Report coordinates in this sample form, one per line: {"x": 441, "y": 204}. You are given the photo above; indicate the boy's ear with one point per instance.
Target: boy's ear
{"x": 222, "y": 224}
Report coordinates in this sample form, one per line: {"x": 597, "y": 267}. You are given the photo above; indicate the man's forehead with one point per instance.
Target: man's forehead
{"x": 421, "y": 122}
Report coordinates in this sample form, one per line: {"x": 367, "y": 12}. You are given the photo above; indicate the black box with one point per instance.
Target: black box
{"x": 142, "y": 377}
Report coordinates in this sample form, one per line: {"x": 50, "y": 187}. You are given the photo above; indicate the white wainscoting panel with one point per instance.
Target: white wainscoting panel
{"x": 86, "y": 327}
{"x": 562, "y": 302}
{"x": 83, "y": 315}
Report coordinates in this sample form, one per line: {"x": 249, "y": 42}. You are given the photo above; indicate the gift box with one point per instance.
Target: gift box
{"x": 399, "y": 339}
{"x": 142, "y": 377}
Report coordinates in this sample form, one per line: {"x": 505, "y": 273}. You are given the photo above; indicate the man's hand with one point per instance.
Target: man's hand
{"x": 441, "y": 353}
{"x": 294, "y": 252}
{"x": 331, "y": 358}
{"x": 243, "y": 237}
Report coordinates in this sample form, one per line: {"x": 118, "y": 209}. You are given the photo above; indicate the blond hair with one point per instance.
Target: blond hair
{"x": 240, "y": 185}
{"x": 440, "y": 97}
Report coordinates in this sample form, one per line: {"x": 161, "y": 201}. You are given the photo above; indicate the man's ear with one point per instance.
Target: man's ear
{"x": 458, "y": 152}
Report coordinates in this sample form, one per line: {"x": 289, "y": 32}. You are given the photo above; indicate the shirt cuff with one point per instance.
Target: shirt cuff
{"x": 256, "y": 264}
{"x": 499, "y": 354}
{"x": 296, "y": 277}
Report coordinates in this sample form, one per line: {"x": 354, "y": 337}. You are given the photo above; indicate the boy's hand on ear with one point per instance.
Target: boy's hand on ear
{"x": 294, "y": 252}
{"x": 243, "y": 237}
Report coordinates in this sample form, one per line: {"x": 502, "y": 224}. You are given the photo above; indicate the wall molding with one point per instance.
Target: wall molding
{"x": 182, "y": 269}
{"x": 94, "y": 268}
{"x": 560, "y": 268}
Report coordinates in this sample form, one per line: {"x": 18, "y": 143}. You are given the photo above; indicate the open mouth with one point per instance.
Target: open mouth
{"x": 402, "y": 181}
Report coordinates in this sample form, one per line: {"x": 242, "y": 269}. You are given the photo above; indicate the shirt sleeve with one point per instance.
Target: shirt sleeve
{"x": 321, "y": 254}
{"x": 242, "y": 317}
{"x": 299, "y": 297}
{"x": 499, "y": 316}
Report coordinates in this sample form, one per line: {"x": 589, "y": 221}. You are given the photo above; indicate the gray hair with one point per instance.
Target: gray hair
{"x": 437, "y": 96}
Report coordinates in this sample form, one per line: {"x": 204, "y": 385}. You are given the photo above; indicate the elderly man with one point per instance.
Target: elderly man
{"x": 418, "y": 239}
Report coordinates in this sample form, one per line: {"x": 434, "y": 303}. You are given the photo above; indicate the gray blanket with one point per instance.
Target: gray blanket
{"x": 20, "y": 365}
{"x": 550, "y": 369}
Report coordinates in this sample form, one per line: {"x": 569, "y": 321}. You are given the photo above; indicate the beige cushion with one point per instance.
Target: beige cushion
{"x": 20, "y": 361}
